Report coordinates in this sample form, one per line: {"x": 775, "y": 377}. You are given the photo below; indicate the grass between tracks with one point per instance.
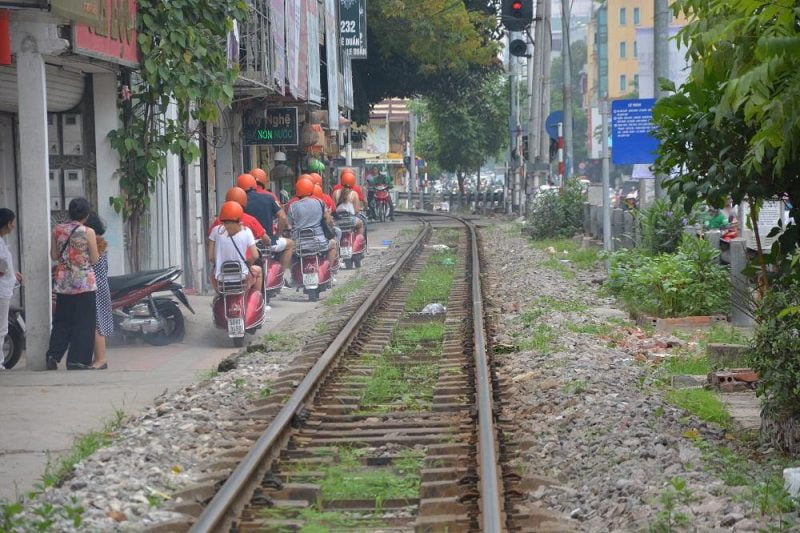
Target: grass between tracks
{"x": 346, "y": 478}
{"x": 434, "y": 282}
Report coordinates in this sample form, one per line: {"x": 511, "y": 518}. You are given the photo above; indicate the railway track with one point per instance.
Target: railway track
{"x": 393, "y": 428}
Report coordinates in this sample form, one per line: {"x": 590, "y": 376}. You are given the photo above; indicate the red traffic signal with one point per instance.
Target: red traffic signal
{"x": 516, "y": 15}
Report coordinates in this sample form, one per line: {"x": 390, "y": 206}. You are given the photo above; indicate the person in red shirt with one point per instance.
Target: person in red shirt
{"x": 326, "y": 198}
{"x": 236, "y": 194}
{"x": 262, "y": 183}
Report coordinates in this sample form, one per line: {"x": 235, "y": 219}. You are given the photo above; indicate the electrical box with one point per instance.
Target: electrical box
{"x": 52, "y": 134}
{"x": 73, "y": 134}
{"x": 55, "y": 191}
{"x": 74, "y": 186}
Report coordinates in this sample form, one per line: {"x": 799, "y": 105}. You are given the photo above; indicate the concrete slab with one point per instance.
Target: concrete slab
{"x": 42, "y": 412}
{"x": 744, "y": 408}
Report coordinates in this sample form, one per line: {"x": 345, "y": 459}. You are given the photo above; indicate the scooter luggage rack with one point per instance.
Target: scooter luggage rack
{"x": 307, "y": 243}
{"x": 231, "y": 280}
{"x": 346, "y": 223}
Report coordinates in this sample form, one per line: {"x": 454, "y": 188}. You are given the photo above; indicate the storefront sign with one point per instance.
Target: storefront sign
{"x": 113, "y": 37}
{"x": 353, "y": 28}
{"x": 278, "y": 126}
{"x": 81, "y": 11}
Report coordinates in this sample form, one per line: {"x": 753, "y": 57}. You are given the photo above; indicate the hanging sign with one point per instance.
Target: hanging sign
{"x": 353, "y": 28}
{"x": 277, "y": 126}
{"x": 113, "y": 36}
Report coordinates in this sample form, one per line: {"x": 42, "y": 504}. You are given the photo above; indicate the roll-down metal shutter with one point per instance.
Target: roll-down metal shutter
{"x": 64, "y": 89}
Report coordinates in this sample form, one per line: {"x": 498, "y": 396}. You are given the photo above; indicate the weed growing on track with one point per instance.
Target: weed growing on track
{"x": 563, "y": 306}
{"x": 542, "y": 341}
{"x": 598, "y": 330}
{"x": 433, "y": 283}
{"x": 337, "y": 296}
{"x": 280, "y": 342}
{"x": 705, "y": 404}
{"x": 583, "y": 259}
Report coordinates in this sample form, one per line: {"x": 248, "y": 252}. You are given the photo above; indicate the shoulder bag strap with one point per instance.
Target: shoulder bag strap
{"x": 66, "y": 243}
{"x": 235, "y": 247}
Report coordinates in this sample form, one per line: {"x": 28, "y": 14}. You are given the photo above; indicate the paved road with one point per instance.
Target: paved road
{"x": 42, "y": 412}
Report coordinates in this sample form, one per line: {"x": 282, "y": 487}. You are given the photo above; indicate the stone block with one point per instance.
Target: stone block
{"x": 722, "y": 355}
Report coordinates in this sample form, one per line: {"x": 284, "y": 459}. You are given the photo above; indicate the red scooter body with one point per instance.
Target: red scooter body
{"x": 352, "y": 247}
{"x": 237, "y": 309}
{"x": 382, "y": 202}
{"x": 274, "y": 278}
{"x": 312, "y": 273}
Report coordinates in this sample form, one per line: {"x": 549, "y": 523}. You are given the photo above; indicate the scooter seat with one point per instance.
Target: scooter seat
{"x": 138, "y": 279}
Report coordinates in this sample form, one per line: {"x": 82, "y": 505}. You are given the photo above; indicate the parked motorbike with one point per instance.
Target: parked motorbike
{"x": 157, "y": 319}
{"x": 382, "y": 207}
{"x": 352, "y": 245}
{"x": 311, "y": 269}
{"x": 15, "y": 338}
{"x": 237, "y": 309}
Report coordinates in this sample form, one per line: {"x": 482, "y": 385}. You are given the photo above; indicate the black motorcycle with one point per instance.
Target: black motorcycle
{"x": 15, "y": 338}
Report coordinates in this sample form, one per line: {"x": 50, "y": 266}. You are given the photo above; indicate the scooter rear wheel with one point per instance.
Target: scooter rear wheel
{"x": 313, "y": 295}
{"x": 238, "y": 342}
{"x": 12, "y": 346}
{"x": 357, "y": 262}
{"x": 348, "y": 264}
{"x": 175, "y": 329}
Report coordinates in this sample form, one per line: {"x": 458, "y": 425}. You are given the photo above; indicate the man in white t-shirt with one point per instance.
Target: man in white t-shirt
{"x": 231, "y": 241}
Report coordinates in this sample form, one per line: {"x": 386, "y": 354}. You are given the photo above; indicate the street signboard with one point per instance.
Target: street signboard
{"x": 276, "y": 126}
{"x": 353, "y": 28}
{"x": 551, "y": 123}
{"x": 632, "y": 131}
{"x": 113, "y": 35}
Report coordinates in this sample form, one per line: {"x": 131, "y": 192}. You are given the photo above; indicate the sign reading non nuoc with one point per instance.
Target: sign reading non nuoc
{"x": 278, "y": 125}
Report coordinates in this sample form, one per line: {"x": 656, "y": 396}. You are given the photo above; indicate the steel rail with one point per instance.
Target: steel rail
{"x": 234, "y": 492}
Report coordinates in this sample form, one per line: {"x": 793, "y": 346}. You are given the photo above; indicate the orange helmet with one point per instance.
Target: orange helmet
{"x": 261, "y": 176}
{"x": 231, "y": 212}
{"x": 316, "y": 178}
{"x": 304, "y": 186}
{"x": 348, "y": 179}
{"x": 317, "y": 191}
{"x": 236, "y": 194}
{"x": 246, "y": 182}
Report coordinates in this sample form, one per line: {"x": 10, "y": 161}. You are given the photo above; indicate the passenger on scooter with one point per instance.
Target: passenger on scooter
{"x": 231, "y": 241}
{"x": 262, "y": 183}
{"x": 264, "y": 208}
{"x": 347, "y": 202}
{"x": 330, "y": 207}
{"x": 307, "y": 212}
{"x": 237, "y": 194}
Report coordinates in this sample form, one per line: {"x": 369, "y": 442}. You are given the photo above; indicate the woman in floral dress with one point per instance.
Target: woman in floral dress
{"x": 74, "y": 248}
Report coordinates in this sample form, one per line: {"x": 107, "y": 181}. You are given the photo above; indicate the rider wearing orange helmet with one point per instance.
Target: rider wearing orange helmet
{"x": 266, "y": 210}
{"x": 347, "y": 201}
{"x": 308, "y": 213}
{"x": 232, "y": 241}
{"x": 262, "y": 183}
{"x": 237, "y": 194}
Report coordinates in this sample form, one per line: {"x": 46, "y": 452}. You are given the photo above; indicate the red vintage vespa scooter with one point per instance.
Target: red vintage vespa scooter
{"x": 353, "y": 245}
{"x": 311, "y": 269}
{"x": 236, "y": 309}
{"x": 273, "y": 271}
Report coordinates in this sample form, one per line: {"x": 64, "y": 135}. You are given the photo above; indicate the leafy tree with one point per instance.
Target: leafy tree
{"x": 184, "y": 64}
{"x": 731, "y": 129}
{"x": 424, "y": 47}
{"x": 460, "y": 135}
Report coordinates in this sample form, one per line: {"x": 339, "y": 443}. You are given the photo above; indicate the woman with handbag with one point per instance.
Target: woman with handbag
{"x": 74, "y": 248}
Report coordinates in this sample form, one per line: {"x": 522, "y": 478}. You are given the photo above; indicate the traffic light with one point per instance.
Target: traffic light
{"x": 517, "y": 14}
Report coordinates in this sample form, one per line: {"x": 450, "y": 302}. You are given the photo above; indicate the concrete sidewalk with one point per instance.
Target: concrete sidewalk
{"x": 42, "y": 412}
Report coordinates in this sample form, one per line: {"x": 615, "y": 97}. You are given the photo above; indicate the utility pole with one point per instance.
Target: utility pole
{"x": 604, "y": 112}
{"x": 566, "y": 58}
{"x": 660, "y": 61}
{"x": 512, "y": 194}
{"x": 412, "y": 165}
{"x": 547, "y": 44}
{"x": 535, "y": 93}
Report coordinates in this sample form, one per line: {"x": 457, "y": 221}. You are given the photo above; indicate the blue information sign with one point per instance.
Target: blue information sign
{"x": 632, "y": 131}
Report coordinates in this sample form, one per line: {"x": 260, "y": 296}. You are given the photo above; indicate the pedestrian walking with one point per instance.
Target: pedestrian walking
{"x": 8, "y": 276}
{"x": 74, "y": 248}
{"x": 104, "y": 319}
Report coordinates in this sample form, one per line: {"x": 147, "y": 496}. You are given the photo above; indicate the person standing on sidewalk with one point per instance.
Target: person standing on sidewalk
{"x": 8, "y": 276}
{"x": 74, "y": 247}
{"x": 104, "y": 319}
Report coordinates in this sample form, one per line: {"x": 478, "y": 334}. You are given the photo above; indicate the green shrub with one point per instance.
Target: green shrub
{"x": 557, "y": 213}
{"x": 774, "y": 355}
{"x": 662, "y": 227}
{"x": 687, "y": 283}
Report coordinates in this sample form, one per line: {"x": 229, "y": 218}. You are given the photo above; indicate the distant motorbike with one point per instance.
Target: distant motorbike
{"x": 157, "y": 319}
{"x": 382, "y": 207}
{"x": 15, "y": 338}
{"x": 353, "y": 245}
